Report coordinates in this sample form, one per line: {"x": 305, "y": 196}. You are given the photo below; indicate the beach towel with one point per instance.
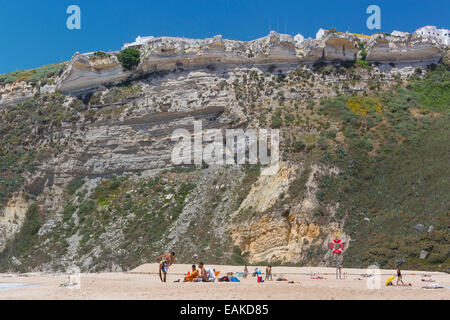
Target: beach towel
{"x": 433, "y": 286}
{"x": 191, "y": 276}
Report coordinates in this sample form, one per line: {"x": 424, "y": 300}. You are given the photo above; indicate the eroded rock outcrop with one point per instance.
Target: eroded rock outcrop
{"x": 87, "y": 71}
{"x": 15, "y": 92}
{"x": 413, "y": 48}
{"x": 170, "y": 53}
{"x": 11, "y": 218}
{"x": 282, "y": 237}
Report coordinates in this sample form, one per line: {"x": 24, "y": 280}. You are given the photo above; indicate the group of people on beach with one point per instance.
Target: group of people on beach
{"x": 202, "y": 274}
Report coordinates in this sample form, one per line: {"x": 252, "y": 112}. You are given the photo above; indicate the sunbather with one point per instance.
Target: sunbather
{"x": 193, "y": 275}
{"x": 206, "y": 274}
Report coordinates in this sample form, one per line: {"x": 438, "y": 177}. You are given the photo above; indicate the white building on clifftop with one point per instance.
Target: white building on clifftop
{"x": 442, "y": 35}
{"x": 139, "y": 41}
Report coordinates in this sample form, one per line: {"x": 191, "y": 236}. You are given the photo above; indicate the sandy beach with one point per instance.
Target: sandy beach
{"x": 143, "y": 283}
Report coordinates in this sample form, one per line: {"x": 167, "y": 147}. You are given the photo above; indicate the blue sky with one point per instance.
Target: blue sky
{"x": 34, "y": 33}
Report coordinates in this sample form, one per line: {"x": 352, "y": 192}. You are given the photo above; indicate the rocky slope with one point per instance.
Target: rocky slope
{"x": 88, "y": 181}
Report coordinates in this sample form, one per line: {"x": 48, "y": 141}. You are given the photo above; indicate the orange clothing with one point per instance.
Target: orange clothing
{"x": 192, "y": 276}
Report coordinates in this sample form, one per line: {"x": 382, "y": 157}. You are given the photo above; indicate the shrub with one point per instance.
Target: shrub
{"x": 74, "y": 185}
{"x": 298, "y": 146}
{"x": 276, "y": 121}
{"x": 332, "y": 30}
{"x": 129, "y": 58}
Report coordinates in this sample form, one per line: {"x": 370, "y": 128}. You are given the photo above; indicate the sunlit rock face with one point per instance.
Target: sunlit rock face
{"x": 167, "y": 54}
{"x": 85, "y": 71}
{"x": 282, "y": 237}
{"x": 413, "y": 48}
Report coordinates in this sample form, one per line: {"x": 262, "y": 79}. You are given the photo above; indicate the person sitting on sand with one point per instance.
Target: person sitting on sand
{"x": 202, "y": 271}
{"x": 210, "y": 274}
{"x": 193, "y": 275}
{"x": 206, "y": 274}
{"x": 399, "y": 276}
{"x": 269, "y": 272}
{"x": 167, "y": 260}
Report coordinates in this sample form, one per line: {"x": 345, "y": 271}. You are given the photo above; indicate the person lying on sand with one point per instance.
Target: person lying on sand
{"x": 282, "y": 279}
{"x": 193, "y": 275}
{"x": 69, "y": 283}
{"x": 167, "y": 260}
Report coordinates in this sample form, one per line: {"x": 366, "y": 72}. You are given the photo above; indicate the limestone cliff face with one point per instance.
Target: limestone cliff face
{"x": 287, "y": 237}
{"x": 11, "y": 218}
{"x": 168, "y": 53}
{"x": 446, "y": 57}
{"x": 16, "y": 91}
{"x": 86, "y": 71}
{"x": 334, "y": 47}
{"x": 413, "y": 48}
{"x": 171, "y": 54}
{"x": 126, "y": 131}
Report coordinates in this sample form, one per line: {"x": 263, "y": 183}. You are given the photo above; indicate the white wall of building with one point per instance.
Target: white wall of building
{"x": 321, "y": 33}
{"x": 299, "y": 38}
{"x": 442, "y": 35}
{"x": 139, "y": 41}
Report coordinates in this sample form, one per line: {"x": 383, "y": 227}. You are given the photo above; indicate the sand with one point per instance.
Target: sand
{"x": 144, "y": 283}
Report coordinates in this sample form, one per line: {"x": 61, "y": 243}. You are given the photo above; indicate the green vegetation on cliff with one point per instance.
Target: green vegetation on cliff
{"x": 395, "y": 175}
{"x": 34, "y": 75}
{"x": 129, "y": 58}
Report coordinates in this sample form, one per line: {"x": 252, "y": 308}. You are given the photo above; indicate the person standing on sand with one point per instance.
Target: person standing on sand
{"x": 269, "y": 272}
{"x": 339, "y": 272}
{"x": 245, "y": 272}
{"x": 399, "y": 275}
{"x": 167, "y": 260}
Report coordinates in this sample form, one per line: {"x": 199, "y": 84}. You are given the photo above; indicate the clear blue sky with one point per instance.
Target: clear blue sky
{"x": 34, "y": 33}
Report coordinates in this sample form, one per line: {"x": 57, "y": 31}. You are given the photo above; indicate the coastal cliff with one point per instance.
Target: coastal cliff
{"x": 87, "y": 178}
